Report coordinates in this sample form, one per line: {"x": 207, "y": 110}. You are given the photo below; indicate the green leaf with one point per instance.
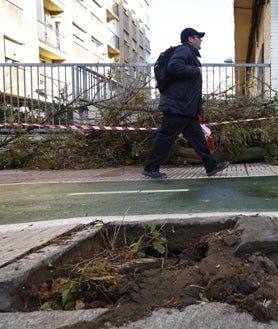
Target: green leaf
{"x": 159, "y": 247}
{"x": 152, "y": 228}
{"x": 64, "y": 290}
{"x": 69, "y": 292}
{"x": 141, "y": 254}
{"x": 156, "y": 234}
{"x": 70, "y": 305}
{"x": 46, "y": 306}
{"x": 135, "y": 247}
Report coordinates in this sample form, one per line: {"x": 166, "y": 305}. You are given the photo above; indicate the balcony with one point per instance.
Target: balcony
{"x": 50, "y": 36}
{"x": 112, "y": 11}
{"x": 54, "y": 5}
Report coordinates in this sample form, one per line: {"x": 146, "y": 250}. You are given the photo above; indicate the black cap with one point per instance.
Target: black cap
{"x": 189, "y": 32}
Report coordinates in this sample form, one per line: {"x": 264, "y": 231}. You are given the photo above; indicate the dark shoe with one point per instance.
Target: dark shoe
{"x": 220, "y": 166}
{"x": 154, "y": 174}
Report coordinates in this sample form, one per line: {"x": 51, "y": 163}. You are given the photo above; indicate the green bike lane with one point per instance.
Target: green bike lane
{"x": 21, "y": 203}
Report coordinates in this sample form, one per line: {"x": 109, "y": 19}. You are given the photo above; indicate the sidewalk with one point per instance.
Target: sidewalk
{"x": 132, "y": 173}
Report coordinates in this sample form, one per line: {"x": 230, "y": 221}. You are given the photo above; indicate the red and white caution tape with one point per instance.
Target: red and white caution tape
{"x": 241, "y": 120}
{"x": 74, "y": 127}
{"x": 113, "y": 128}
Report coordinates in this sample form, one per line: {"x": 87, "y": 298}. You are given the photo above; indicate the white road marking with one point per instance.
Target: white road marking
{"x": 129, "y": 192}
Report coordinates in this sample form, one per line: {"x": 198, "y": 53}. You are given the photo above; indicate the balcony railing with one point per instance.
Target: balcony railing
{"x": 113, "y": 7}
{"x": 37, "y": 92}
{"x": 50, "y": 36}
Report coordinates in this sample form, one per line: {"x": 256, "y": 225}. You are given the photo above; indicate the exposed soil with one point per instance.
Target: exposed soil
{"x": 205, "y": 271}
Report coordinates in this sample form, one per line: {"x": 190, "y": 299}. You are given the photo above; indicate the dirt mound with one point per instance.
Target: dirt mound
{"x": 206, "y": 271}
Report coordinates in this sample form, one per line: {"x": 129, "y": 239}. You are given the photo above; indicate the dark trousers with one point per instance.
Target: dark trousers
{"x": 172, "y": 125}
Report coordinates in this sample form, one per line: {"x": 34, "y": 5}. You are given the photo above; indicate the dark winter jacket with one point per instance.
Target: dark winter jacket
{"x": 185, "y": 93}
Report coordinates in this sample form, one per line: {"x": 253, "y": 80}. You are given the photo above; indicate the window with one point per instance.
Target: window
{"x": 126, "y": 38}
{"x": 141, "y": 52}
{"x": 13, "y": 50}
{"x": 134, "y": 44}
{"x": 96, "y": 47}
{"x": 78, "y": 35}
{"x": 97, "y": 3}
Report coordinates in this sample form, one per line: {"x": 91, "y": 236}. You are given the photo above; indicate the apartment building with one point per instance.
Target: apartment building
{"x": 74, "y": 31}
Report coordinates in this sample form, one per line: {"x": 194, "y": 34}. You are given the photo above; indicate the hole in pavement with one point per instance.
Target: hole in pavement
{"x": 133, "y": 268}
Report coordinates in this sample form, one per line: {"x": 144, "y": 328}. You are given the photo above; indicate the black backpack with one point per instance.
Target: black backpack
{"x": 163, "y": 79}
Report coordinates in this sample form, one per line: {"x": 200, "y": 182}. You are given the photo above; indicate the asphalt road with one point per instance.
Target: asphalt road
{"x": 21, "y": 203}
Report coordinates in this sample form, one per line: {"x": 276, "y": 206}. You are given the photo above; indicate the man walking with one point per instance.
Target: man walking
{"x": 181, "y": 104}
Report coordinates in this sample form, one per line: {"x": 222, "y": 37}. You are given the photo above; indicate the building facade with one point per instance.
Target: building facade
{"x": 74, "y": 31}
{"x": 256, "y": 37}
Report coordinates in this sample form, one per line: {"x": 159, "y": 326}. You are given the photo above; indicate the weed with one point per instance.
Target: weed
{"x": 95, "y": 279}
{"x": 151, "y": 238}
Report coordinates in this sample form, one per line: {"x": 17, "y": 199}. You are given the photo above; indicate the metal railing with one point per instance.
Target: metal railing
{"x": 50, "y": 36}
{"x": 33, "y": 93}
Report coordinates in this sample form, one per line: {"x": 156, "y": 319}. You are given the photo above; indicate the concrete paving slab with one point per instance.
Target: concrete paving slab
{"x": 261, "y": 169}
{"x": 47, "y": 319}
{"x": 131, "y": 173}
{"x": 208, "y": 316}
{"x": 260, "y": 234}
{"x": 14, "y": 244}
{"x": 203, "y": 316}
